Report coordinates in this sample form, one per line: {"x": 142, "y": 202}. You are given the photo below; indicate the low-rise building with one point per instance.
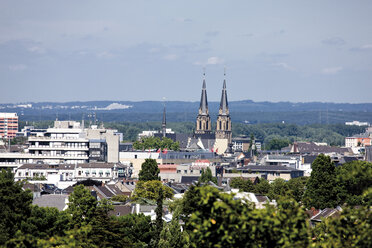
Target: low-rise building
{"x": 270, "y": 172}
{"x": 358, "y": 140}
{"x": 67, "y": 174}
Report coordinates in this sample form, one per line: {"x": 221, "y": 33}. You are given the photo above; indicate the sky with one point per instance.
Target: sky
{"x": 83, "y": 50}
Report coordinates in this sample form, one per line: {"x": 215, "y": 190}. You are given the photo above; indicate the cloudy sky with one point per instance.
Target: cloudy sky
{"x": 145, "y": 50}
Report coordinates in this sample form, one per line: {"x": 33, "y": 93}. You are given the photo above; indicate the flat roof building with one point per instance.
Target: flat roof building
{"x": 8, "y": 125}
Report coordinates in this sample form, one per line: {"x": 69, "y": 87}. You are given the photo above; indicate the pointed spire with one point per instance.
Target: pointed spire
{"x": 224, "y": 105}
{"x": 203, "y": 100}
{"x": 164, "y": 117}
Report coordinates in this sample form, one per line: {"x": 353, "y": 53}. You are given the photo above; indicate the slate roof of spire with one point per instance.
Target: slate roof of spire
{"x": 224, "y": 105}
{"x": 204, "y": 100}
{"x": 164, "y": 117}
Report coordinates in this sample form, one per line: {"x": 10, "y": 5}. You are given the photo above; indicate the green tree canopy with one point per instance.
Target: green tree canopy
{"x": 242, "y": 184}
{"x": 262, "y": 187}
{"x": 276, "y": 144}
{"x": 322, "y": 189}
{"x": 150, "y": 190}
{"x": 156, "y": 143}
{"x": 297, "y": 187}
{"x": 354, "y": 178}
{"x": 149, "y": 170}
{"x": 82, "y": 206}
{"x": 351, "y": 229}
{"x": 222, "y": 221}
{"x": 206, "y": 176}
{"x": 15, "y": 205}
{"x": 279, "y": 188}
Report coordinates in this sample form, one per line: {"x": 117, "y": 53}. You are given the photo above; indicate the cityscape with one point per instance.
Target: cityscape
{"x": 104, "y": 145}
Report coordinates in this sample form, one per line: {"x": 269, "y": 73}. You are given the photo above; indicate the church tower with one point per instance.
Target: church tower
{"x": 223, "y": 129}
{"x": 203, "y": 120}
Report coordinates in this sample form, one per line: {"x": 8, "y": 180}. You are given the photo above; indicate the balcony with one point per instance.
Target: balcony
{"x": 58, "y": 148}
{"x": 43, "y": 138}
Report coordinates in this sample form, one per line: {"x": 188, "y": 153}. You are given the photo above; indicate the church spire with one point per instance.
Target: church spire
{"x": 203, "y": 120}
{"x": 223, "y": 128}
{"x": 203, "y": 109}
{"x": 224, "y": 105}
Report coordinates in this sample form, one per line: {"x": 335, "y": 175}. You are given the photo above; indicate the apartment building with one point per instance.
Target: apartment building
{"x": 66, "y": 172}
{"x": 64, "y": 143}
{"x": 8, "y": 125}
{"x": 67, "y": 142}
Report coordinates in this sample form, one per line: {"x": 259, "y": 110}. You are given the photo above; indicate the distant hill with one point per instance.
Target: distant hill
{"x": 242, "y": 111}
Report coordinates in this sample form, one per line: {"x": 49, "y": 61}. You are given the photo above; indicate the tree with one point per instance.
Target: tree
{"x": 75, "y": 238}
{"x": 45, "y": 222}
{"x": 151, "y": 190}
{"x": 149, "y": 170}
{"x": 279, "y": 188}
{"x": 82, "y": 206}
{"x": 15, "y": 205}
{"x": 159, "y": 216}
{"x": 156, "y": 143}
{"x": 243, "y": 185}
{"x": 297, "y": 188}
{"x": 351, "y": 229}
{"x": 321, "y": 188}
{"x": 277, "y": 144}
{"x": 263, "y": 187}
{"x": 136, "y": 229}
{"x": 354, "y": 178}
{"x": 119, "y": 198}
{"x": 222, "y": 221}
{"x": 206, "y": 176}
{"x": 172, "y": 236}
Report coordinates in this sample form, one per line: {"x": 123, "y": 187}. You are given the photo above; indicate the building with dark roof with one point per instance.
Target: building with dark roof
{"x": 312, "y": 148}
{"x": 271, "y": 172}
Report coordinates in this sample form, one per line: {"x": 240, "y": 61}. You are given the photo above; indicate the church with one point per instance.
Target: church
{"x": 203, "y": 137}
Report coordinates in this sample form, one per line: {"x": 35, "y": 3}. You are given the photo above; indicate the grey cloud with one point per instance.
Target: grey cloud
{"x": 212, "y": 33}
{"x": 366, "y": 47}
{"x": 334, "y": 41}
{"x": 248, "y": 35}
{"x": 181, "y": 19}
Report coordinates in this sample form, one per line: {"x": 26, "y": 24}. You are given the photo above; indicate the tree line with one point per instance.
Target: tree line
{"x": 273, "y": 135}
{"x": 209, "y": 217}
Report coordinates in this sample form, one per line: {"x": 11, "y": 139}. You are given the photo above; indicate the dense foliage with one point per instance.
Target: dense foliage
{"x": 221, "y": 221}
{"x": 282, "y": 134}
{"x": 294, "y": 188}
{"x": 156, "y": 143}
{"x": 209, "y": 217}
{"x": 328, "y": 185}
{"x": 274, "y": 135}
{"x": 13, "y": 200}
{"x": 151, "y": 190}
{"x": 322, "y": 188}
{"x": 206, "y": 176}
{"x": 149, "y": 170}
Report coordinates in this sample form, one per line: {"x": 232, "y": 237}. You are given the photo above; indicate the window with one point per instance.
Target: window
{"x": 185, "y": 171}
